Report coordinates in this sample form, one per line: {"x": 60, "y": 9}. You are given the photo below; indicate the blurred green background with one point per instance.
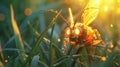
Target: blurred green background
{"x": 34, "y": 16}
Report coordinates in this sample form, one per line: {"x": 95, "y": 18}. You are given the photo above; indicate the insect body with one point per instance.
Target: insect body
{"x": 77, "y": 33}
{"x": 81, "y": 34}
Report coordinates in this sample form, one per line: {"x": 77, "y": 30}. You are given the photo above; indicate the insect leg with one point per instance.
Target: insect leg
{"x": 64, "y": 46}
{"x": 98, "y": 36}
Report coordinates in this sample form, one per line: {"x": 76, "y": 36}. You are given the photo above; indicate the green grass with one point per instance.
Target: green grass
{"x": 31, "y": 41}
{"x": 18, "y": 39}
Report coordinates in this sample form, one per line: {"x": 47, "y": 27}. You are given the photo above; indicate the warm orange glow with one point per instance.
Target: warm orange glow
{"x": 103, "y": 58}
{"x": 28, "y": 11}
{"x": 68, "y": 32}
{"x": 77, "y": 31}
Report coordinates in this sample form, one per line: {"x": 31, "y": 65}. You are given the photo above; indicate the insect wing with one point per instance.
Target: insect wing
{"x": 90, "y": 12}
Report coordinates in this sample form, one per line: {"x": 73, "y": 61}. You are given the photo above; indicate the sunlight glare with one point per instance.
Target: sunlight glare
{"x": 118, "y": 1}
{"x": 105, "y": 8}
{"x": 118, "y": 10}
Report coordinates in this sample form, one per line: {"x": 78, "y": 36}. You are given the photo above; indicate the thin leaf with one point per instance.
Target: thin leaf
{"x": 35, "y": 61}
{"x": 42, "y": 63}
{"x": 63, "y": 61}
{"x": 10, "y": 40}
{"x": 51, "y": 47}
{"x": 1, "y": 53}
{"x": 40, "y": 38}
{"x": 58, "y": 51}
{"x": 27, "y": 45}
{"x": 11, "y": 49}
{"x": 19, "y": 43}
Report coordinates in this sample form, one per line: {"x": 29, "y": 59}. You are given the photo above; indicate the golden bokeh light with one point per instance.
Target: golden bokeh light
{"x": 109, "y": 4}
{"x": 103, "y": 58}
{"x": 109, "y": 8}
{"x": 105, "y": 8}
{"x": 6, "y": 61}
{"x": 28, "y": 11}
{"x": 59, "y": 40}
{"x": 2, "y": 17}
{"x": 111, "y": 25}
{"x": 111, "y": 45}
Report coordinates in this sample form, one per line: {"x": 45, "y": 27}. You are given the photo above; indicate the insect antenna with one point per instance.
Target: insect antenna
{"x": 56, "y": 12}
{"x": 71, "y": 18}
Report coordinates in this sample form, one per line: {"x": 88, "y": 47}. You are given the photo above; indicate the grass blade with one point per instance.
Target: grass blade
{"x": 1, "y": 53}
{"x": 62, "y": 61}
{"x": 19, "y": 43}
{"x": 35, "y": 61}
{"x": 51, "y": 53}
{"x": 10, "y": 40}
{"x": 42, "y": 63}
{"x": 40, "y": 38}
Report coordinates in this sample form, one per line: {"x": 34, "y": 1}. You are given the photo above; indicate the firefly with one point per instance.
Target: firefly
{"x": 77, "y": 33}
